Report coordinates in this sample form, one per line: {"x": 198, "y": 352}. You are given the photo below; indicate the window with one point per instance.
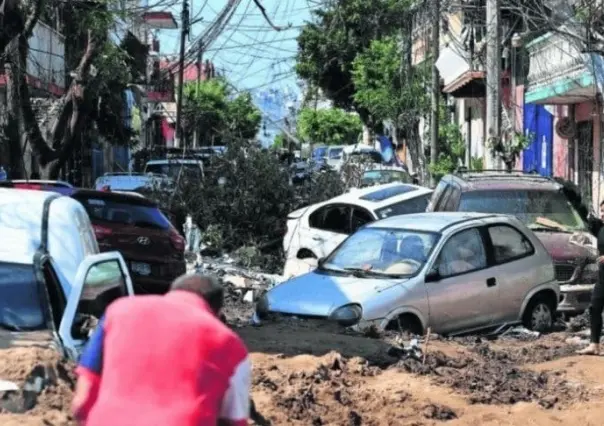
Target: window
{"x": 385, "y": 193}
{"x": 20, "y": 299}
{"x": 173, "y": 170}
{"x": 464, "y": 252}
{"x": 382, "y": 251}
{"x": 413, "y": 205}
{"x": 509, "y": 244}
{"x": 441, "y": 204}
{"x": 335, "y": 153}
{"x": 124, "y": 213}
{"x": 360, "y": 217}
{"x": 104, "y": 283}
{"x": 331, "y": 218}
{"x": 530, "y": 206}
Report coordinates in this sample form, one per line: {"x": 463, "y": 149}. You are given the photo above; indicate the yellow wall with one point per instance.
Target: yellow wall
{"x": 422, "y": 35}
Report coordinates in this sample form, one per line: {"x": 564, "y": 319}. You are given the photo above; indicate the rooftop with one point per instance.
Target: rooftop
{"x": 428, "y": 222}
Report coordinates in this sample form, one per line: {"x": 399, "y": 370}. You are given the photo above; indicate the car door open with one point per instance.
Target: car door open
{"x": 101, "y": 279}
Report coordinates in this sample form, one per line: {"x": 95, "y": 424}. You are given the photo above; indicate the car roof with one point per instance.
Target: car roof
{"x": 429, "y": 222}
{"x": 173, "y": 161}
{"x": 117, "y": 196}
{"x": 378, "y": 196}
{"x": 44, "y": 182}
{"x": 499, "y": 180}
{"x": 21, "y": 196}
{"x": 384, "y": 168}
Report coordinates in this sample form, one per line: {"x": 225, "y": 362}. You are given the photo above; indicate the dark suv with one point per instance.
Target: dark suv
{"x": 543, "y": 205}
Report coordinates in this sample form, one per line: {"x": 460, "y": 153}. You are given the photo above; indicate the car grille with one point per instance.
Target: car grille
{"x": 564, "y": 272}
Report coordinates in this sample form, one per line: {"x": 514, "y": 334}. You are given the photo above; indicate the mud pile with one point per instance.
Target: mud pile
{"x": 334, "y": 393}
{"x": 489, "y": 376}
{"x": 45, "y": 383}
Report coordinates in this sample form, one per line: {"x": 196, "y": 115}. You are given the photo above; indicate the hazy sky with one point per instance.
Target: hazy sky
{"x": 249, "y": 52}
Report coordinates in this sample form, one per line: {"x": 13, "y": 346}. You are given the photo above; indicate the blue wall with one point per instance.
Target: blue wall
{"x": 539, "y": 123}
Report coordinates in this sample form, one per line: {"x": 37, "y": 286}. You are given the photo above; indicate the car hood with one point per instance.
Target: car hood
{"x": 561, "y": 249}
{"x": 318, "y": 294}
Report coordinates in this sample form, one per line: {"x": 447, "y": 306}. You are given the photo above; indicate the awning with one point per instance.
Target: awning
{"x": 471, "y": 84}
{"x": 163, "y": 20}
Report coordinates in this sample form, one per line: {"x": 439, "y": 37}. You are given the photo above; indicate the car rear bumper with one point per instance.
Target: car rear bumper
{"x": 159, "y": 281}
{"x": 575, "y": 298}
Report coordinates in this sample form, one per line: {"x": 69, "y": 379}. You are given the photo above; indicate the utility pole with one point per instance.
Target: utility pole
{"x": 196, "y": 136}
{"x": 435, "y": 87}
{"x": 184, "y": 32}
{"x": 199, "y": 63}
{"x": 493, "y": 71}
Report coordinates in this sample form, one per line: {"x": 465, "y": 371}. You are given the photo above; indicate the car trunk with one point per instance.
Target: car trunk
{"x": 139, "y": 246}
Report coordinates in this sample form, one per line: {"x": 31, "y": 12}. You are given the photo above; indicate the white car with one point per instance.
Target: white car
{"x": 314, "y": 231}
{"x": 53, "y": 280}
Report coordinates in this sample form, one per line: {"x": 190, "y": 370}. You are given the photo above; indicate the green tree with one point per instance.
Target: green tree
{"x": 280, "y": 141}
{"x": 328, "y": 45}
{"x": 332, "y": 126}
{"x": 218, "y": 113}
{"x": 391, "y": 90}
{"x": 88, "y": 102}
{"x": 451, "y": 146}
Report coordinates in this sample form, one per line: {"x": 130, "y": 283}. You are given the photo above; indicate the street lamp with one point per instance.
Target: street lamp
{"x": 516, "y": 41}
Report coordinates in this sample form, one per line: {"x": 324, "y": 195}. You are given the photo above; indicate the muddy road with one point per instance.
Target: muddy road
{"x": 309, "y": 374}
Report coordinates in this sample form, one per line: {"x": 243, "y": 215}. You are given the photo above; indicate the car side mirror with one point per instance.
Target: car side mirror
{"x": 432, "y": 276}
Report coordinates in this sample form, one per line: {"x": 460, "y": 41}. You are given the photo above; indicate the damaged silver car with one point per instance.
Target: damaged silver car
{"x": 450, "y": 272}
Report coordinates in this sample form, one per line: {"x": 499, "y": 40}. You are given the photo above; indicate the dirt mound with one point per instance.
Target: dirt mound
{"x": 334, "y": 392}
{"x": 495, "y": 377}
{"x": 46, "y": 384}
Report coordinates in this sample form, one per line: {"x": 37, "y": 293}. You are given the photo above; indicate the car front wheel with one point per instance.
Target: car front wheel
{"x": 539, "y": 315}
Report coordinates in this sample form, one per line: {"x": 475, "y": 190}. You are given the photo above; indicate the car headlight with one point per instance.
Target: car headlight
{"x": 590, "y": 273}
{"x": 347, "y": 315}
{"x": 262, "y": 307}
{"x": 585, "y": 239}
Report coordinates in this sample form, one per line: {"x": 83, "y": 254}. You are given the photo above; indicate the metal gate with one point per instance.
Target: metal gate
{"x": 584, "y": 159}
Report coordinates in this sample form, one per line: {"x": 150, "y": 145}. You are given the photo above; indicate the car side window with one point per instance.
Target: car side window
{"x": 331, "y": 218}
{"x": 509, "y": 244}
{"x": 360, "y": 217}
{"x": 452, "y": 199}
{"x": 464, "y": 252}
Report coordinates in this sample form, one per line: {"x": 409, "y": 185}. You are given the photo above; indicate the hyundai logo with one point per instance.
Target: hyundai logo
{"x": 143, "y": 241}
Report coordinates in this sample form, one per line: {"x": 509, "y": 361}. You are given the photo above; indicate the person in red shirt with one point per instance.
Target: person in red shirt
{"x": 165, "y": 360}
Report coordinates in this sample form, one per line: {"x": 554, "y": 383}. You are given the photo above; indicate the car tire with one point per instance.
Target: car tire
{"x": 539, "y": 315}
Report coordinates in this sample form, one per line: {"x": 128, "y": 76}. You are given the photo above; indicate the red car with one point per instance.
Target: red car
{"x": 133, "y": 225}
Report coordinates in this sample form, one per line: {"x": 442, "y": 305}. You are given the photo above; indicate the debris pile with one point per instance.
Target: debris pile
{"x": 42, "y": 385}
{"x": 491, "y": 376}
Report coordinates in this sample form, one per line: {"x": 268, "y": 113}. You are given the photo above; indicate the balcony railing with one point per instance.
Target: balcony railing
{"x": 46, "y": 61}
{"x": 553, "y": 57}
{"x": 160, "y": 91}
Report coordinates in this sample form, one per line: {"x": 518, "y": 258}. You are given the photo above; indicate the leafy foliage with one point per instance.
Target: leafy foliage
{"x": 451, "y": 146}
{"x": 383, "y": 88}
{"x": 328, "y": 45}
{"x": 212, "y": 107}
{"x": 332, "y": 126}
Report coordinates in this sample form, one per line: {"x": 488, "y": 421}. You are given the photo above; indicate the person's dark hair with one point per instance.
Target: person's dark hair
{"x": 205, "y": 286}
{"x": 602, "y": 204}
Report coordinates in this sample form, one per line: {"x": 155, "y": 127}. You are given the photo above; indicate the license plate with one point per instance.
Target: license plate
{"x": 141, "y": 268}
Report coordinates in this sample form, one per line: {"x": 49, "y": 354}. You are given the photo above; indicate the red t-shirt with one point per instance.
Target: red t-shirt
{"x": 166, "y": 361}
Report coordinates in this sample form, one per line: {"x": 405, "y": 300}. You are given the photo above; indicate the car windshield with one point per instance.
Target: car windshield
{"x": 366, "y": 157}
{"x": 119, "y": 212}
{"x": 191, "y": 171}
{"x": 413, "y": 205}
{"x": 385, "y": 252}
{"x": 319, "y": 152}
{"x": 536, "y": 208}
{"x": 335, "y": 153}
{"x": 20, "y": 301}
{"x": 374, "y": 177}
